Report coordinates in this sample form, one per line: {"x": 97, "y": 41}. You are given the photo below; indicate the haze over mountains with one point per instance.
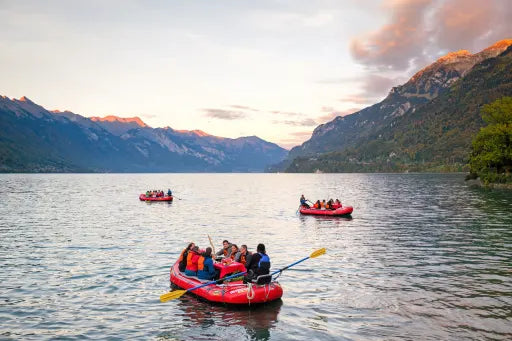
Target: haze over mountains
{"x": 33, "y": 139}
{"x": 425, "y": 124}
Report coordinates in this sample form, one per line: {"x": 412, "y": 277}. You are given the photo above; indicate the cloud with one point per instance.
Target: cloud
{"x": 335, "y": 113}
{"x": 288, "y": 113}
{"x": 466, "y": 24}
{"x": 224, "y": 114}
{"x": 420, "y": 30}
{"x": 357, "y": 99}
{"x": 394, "y": 44}
{"x": 243, "y": 107}
{"x": 296, "y": 138}
{"x": 307, "y": 122}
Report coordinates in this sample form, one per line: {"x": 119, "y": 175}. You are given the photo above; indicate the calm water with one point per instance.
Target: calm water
{"x": 424, "y": 257}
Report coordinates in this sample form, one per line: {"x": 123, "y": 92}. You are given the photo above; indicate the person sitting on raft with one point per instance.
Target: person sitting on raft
{"x": 205, "y": 269}
{"x": 338, "y": 202}
{"x": 235, "y": 253}
{"x": 245, "y": 255}
{"x": 317, "y": 204}
{"x": 328, "y": 206}
{"x": 169, "y": 192}
{"x": 183, "y": 257}
{"x": 258, "y": 265}
{"x": 323, "y": 204}
{"x": 226, "y": 249}
{"x": 303, "y": 201}
{"x": 192, "y": 258}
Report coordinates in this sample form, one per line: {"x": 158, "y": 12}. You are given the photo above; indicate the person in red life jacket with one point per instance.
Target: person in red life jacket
{"x": 258, "y": 265}
{"x": 235, "y": 253}
{"x": 337, "y": 202}
{"x": 244, "y": 256}
{"x": 205, "y": 269}
{"x": 226, "y": 249}
{"x": 183, "y": 257}
{"x": 192, "y": 258}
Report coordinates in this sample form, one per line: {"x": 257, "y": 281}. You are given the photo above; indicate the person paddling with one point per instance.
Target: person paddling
{"x": 258, "y": 265}
{"x": 169, "y": 192}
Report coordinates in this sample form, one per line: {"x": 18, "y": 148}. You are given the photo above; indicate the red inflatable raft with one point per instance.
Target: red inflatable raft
{"x": 340, "y": 211}
{"x": 143, "y": 197}
{"x": 235, "y": 292}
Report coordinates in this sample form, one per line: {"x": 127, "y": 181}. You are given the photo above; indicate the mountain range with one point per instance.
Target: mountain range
{"x": 33, "y": 139}
{"x": 425, "y": 124}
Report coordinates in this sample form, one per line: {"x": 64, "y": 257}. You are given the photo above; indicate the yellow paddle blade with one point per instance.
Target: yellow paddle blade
{"x": 317, "y": 253}
{"x": 172, "y": 295}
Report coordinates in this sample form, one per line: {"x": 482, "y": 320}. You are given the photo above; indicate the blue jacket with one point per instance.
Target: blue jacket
{"x": 208, "y": 271}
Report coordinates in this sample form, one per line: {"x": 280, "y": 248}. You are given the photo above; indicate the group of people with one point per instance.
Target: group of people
{"x": 329, "y": 205}
{"x": 157, "y": 193}
{"x": 195, "y": 262}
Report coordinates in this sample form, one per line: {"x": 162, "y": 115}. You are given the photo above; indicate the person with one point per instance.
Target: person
{"x": 328, "y": 206}
{"x": 226, "y": 249}
{"x": 169, "y": 192}
{"x": 337, "y": 202}
{"x": 192, "y": 258}
{"x": 317, "y": 204}
{"x": 322, "y": 205}
{"x": 303, "y": 201}
{"x": 235, "y": 253}
{"x": 258, "y": 265}
{"x": 205, "y": 269}
{"x": 183, "y": 257}
{"x": 244, "y": 255}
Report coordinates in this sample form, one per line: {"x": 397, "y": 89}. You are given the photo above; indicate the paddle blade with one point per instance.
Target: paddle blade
{"x": 172, "y": 295}
{"x": 317, "y": 253}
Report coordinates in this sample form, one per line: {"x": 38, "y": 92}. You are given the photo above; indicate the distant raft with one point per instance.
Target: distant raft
{"x": 338, "y": 212}
{"x": 143, "y": 197}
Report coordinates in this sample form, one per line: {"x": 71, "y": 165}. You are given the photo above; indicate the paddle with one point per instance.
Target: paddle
{"x": 178, "y": 293}
{"x": 314, "y": 254}
{"x": 211, "y": 243}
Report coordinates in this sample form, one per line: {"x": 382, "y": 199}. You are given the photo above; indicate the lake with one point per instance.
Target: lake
{"x": 424, "y": 256}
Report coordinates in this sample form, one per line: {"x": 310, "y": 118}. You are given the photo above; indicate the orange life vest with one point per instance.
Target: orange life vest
{"x": 200, "y": 263}
{"x": 243, "y": 259}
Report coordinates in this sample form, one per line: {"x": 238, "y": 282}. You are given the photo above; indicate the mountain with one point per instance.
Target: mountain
{"x": 399, "y": 132}
{"x": 33, "y": 139}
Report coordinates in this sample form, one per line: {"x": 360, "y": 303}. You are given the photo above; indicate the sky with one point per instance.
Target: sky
{"x": 274, "y": 69}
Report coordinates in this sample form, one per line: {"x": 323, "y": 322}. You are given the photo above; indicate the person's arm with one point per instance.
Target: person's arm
{"x": 220, "y": 252}
{"x": 237, "y": 256}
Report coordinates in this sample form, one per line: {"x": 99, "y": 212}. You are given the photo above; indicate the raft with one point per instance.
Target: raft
{"x": 340, "y": 211}
{"x": 143, "y": 197}
{"x": 236, "y": 292}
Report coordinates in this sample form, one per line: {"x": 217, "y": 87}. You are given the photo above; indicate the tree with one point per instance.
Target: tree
{"x": 491, "y": 155}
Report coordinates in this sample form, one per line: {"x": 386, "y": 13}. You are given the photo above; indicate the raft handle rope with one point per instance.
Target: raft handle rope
{"x": 250, "y": 292}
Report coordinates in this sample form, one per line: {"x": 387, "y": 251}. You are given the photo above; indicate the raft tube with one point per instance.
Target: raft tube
{"x": 235, "y": 292}
{"x": 143, "y": 197}
{"x": 340, "y": 211}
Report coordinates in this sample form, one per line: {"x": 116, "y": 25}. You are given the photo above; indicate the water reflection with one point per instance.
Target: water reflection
{"x": 257, "y": 321}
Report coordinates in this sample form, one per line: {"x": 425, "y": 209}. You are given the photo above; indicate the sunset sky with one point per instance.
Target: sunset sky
{"x": 275, "y": 69}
